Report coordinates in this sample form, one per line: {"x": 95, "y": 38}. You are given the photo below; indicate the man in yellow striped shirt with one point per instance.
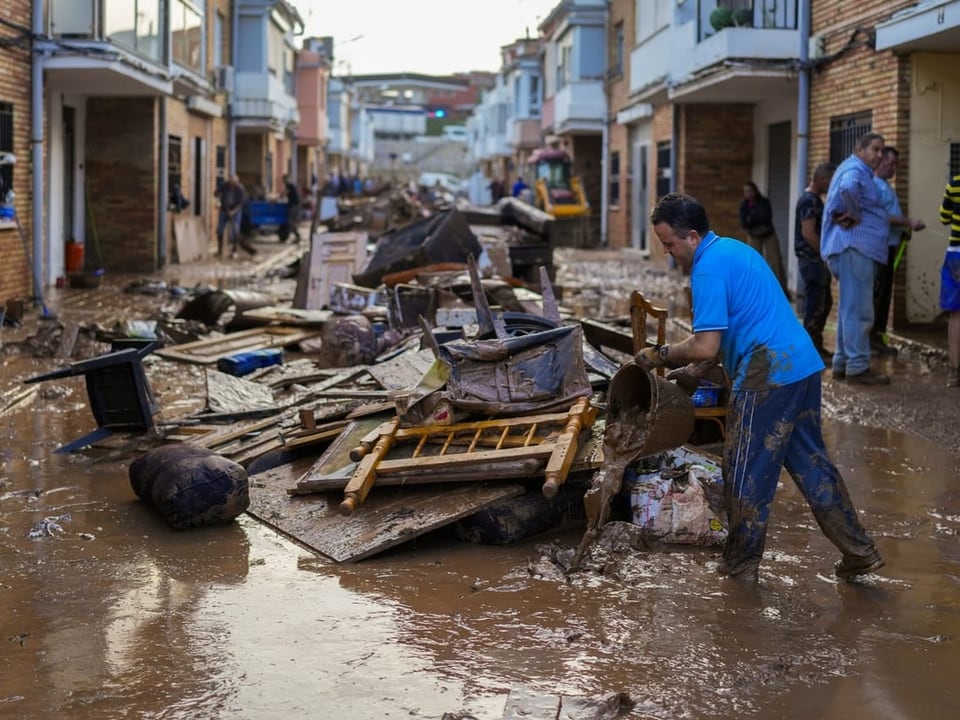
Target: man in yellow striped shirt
{"x": 950, "y": 277}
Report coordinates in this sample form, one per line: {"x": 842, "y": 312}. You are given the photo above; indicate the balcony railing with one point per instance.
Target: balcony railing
{"x": 717, "y": 15}
{"x": 136, "y": 25}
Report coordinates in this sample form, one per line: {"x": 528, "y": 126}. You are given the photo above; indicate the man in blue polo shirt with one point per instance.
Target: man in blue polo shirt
{"x": 773, "y": 417}
{"x": 853, "y": 242}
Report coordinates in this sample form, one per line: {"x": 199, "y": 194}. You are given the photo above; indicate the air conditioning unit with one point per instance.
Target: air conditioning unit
{"x": 223, "y": 78}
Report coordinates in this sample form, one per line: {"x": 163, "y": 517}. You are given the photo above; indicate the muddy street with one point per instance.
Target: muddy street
{"x": 107, "y": 612}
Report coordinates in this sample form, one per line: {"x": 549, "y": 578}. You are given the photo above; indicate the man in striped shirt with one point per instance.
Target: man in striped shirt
{"x": 950, "y": 277}
{"x": 854, "y": 246}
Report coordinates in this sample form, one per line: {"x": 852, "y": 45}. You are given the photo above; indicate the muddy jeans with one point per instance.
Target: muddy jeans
{"x": 768, "y": 430}
{"x": 818, "y": 299}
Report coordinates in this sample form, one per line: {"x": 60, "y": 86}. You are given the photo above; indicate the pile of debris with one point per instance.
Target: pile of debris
{"x": 422, "y": 365}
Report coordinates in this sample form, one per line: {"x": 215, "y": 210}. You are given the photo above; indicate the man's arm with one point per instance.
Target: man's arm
{"x": 808, "y": 229}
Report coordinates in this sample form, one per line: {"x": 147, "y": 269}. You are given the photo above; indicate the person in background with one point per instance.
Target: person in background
{"x": 814, "y": 273}
{"x": 232, "y": 200}
{"x": 293, "y": 210}
{"x": 950, "y": 278}
{"x": 756, "y": 217}
{"x": 883, "y": 285}
{"x": 518, "y": 187}
{"x": 497, "y": 190}
{"x": 773, "y": 416}
{"x": 853, "y": 242}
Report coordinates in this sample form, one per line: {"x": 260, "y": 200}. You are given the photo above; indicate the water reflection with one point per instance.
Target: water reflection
{"x": 121, "y": 616}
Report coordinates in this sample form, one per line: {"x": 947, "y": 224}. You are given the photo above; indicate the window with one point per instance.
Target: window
{"x": 135, "y": 25}
{"x": 563, "y": 68}
{"x": 534, "y": 95}
{"x": 186, "y": 29}
{"x": 652, "y": 16}
{"x": 616, "y": 51}
{"x": 615, "y": 178}
{"x": 6, "y": 145}
{"x": 845, "y": 130}
{"x": 664, "y": 169}
{"x": 174, "y": 163}
{"x": 218, "y": 23}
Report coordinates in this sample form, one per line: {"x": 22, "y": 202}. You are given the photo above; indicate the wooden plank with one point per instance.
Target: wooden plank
{"x": 290, "y": 316}
{"x": 68, "y": 338}
{"x": 389, "y": 517}
{"x": 212, "y": 349}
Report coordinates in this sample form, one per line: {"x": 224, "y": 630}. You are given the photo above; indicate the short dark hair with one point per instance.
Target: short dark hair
{"x": 681, "y": 212}
{"x": 864, "y": 140}
{"x": 824, "y": 170}
{"x": 890, "y": 150}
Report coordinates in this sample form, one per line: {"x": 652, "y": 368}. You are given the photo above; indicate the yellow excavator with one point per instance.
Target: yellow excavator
{"x": 556, "y": 189}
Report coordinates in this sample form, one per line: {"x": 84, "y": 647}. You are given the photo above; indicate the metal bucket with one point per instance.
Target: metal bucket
{"x": 646, "y": 414}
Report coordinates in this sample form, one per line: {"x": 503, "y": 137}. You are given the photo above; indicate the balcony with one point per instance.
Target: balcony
{"x": 121, "y": 48}
{"x": 580, "y": 106}
{"x": 525, "y": 133}
{"x": 741, "y": 55}
{"x": 928, "y": 26}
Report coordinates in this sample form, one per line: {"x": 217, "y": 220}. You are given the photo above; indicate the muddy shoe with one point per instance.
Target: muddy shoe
{"x": 879, "y": 348}
{"x": 851, "y": 566}
{"x": 868, "y": 377}
{"x": 839, "y": 374}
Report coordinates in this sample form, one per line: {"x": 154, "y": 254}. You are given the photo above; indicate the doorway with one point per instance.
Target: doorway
{"x": 778, "y": 184}
{"x": 68, "y": 220}
{"x": 639, "y": 194}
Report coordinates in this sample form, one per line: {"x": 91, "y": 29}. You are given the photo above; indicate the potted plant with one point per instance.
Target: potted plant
{"x": 743, "y": 17}
{"x": 720, "y": 18}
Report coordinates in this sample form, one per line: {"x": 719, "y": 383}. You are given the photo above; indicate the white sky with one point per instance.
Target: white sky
{"x": 434, "y": 37}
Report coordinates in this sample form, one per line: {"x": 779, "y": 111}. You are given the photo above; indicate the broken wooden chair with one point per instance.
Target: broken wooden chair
{"x": 458, "y": 451}
{"x": 640, "y": 310}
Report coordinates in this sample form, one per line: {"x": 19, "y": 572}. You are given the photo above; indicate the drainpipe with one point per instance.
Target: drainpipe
{"x": 231, "y": 123}
{"x": 803, "y": 104}
{"x": 605, "y": 146}
{"x": 604, "y": 178}
{"x": 164, "y": 186}
{"x": 803, "y": 99}
{"x": 36, "y": 151}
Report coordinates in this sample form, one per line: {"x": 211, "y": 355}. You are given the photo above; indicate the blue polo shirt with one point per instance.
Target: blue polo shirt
{"x": 762, "y": 344}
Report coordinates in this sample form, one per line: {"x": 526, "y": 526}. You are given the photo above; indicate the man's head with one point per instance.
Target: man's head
{"x": 235, "y": 179}
{"x": 887, "y": 167}
{"x": 680, "y": 221}
{"x": 822, "y": 175}
{"x": 869, "y": 149}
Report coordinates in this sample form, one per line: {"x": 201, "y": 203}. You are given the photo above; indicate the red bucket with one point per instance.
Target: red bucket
{"x": 74, "y": 257}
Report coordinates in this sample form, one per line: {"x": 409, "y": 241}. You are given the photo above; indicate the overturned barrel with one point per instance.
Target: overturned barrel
{"x": 646, "y": 414}
{"x": 190, "y": 486}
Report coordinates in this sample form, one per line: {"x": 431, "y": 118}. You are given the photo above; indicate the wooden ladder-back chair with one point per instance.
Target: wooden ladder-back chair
{"x": 640, "y": 310}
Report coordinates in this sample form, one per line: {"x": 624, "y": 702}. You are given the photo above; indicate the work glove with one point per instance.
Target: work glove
{"x": 686, "y": 377}
{"x": 649, "y": 358}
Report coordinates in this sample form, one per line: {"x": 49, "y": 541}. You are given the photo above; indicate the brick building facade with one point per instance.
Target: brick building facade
{"x": 15, "y": 123}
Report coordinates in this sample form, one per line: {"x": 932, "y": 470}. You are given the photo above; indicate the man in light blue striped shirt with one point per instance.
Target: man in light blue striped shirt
{"x": 854, "y": 246}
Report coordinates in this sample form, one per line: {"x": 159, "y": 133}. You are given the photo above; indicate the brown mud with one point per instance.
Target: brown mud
{"x": 107, "y": 612}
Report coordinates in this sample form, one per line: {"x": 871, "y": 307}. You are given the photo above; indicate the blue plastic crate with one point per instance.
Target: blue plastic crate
{"x": 264, "y": 212}
{"x": 707, "y": 395}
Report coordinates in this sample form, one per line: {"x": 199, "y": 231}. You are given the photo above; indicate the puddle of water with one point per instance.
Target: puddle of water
{"x": 120, "y": 616}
